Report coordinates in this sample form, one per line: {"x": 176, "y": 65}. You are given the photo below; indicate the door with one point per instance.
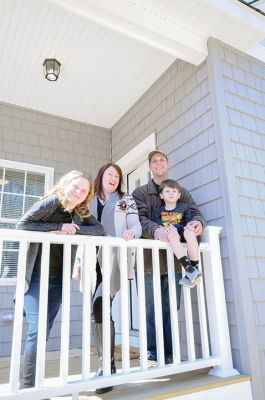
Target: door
{"x": 138, "y": 177}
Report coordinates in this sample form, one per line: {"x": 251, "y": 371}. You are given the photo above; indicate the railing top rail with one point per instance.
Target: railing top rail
{"x": 36, "y": 236}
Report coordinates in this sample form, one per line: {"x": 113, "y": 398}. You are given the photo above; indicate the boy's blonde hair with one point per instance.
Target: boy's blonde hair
{"x": 83, "y": 209}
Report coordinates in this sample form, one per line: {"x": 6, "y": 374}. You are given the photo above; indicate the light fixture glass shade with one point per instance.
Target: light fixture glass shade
{"x": 51, "y": 69}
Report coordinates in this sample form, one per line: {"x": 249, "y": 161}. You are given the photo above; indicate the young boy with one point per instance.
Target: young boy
{"x": 174, "y": 216}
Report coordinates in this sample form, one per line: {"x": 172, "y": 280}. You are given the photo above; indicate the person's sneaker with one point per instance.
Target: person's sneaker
{"x": 193, "y": 273}
{"x": 187, "y": 283}
{"x": 151, "y": 358}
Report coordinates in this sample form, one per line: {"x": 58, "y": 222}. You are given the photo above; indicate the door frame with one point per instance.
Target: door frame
{"x": 137, "y": 155}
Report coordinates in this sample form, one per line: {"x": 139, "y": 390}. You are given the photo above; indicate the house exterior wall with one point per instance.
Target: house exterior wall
{"x": 238, "y": 96}
{"x": 42, "y": 139}
{"x": 210, "y": 121}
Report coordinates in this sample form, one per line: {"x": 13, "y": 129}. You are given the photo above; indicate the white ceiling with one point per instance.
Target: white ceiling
{"x": 111, "y": 51}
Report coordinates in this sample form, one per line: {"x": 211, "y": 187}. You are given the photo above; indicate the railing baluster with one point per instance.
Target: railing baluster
{"x": 124, "y": 310}
{"x": 202, "y": 317}
{"x": 173, "y": 307}
{"x": 18, "y": 317}
{"x": 42, "y": 322}
{"x": 106, "y": 273}
{"x": 141, "y": 308}
{"x": 158, "y": 309}
{"x": 65, "y": 325}
{"x": 189, "y": 322}
{"x": 89, "y": 266}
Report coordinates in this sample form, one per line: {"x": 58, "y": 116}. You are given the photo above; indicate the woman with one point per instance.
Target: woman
{"x": 118, "y": 214}
{"x": 66, "y": 210}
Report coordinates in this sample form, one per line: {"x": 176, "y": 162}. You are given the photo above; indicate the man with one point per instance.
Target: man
{"x": 147, "y": 199}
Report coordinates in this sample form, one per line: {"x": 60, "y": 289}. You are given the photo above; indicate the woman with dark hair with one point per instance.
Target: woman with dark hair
{"x": 66, "y": 210}
{"x": 118, "y": 214}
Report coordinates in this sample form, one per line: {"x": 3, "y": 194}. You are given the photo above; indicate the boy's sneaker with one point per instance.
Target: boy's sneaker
{"x": 189, "y": 284}
{"x": 193, "y": 273}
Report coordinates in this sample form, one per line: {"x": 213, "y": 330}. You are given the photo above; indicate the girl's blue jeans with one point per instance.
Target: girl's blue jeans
{"x": 31, "y": 308}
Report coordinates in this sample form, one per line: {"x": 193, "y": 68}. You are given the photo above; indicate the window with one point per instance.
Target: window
{"x": 21, "y": 185}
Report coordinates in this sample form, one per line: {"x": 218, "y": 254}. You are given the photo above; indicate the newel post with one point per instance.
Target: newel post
{"x": 216, "y": 304}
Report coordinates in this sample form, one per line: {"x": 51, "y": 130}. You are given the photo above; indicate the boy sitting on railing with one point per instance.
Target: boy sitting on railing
{"x": 174, "y": 216}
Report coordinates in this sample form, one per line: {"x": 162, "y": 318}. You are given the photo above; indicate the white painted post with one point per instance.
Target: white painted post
{"x": 65, "y": 324}
{"x": 106, "y": 273}
{"x": 90, "y": 260}
{"x": 18, "y": 317}
{"x": 158, "y": 308}
{"x": 202, "y": 317}
{"x": 42, "y": 321}
{"x": 124, "y": 310}
{"x": 217, "y": 314}
{"x": 173, "y": 307}
{"x": 189, "y": 322}
{"x": 141, "y": 308}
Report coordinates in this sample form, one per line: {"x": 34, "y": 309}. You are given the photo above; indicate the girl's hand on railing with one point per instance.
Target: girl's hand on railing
{"x": 128, "y": 235}
{"x": 70, "y": 229}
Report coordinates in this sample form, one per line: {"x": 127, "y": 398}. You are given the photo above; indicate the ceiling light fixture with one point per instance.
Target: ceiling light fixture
{"x": 51, "y": 69}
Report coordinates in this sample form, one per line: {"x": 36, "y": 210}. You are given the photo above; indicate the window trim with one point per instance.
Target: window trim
{"x": 49, "y": 177}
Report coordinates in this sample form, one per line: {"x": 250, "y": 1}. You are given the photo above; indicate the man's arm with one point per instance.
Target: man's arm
{"x": 197, "y": 219}
{"x": 145, "y": 213}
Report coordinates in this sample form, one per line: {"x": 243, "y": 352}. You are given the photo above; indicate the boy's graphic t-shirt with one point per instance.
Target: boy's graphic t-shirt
{"x": 170, "y": 217}
{"x": 178, "y": 217}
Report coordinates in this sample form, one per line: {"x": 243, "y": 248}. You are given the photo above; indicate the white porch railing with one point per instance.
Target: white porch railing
{"x": 215, "y": 350}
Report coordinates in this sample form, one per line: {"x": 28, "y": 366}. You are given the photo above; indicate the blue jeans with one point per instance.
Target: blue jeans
{"x": 150, "y": 314}
{"x": 31, "y": 308}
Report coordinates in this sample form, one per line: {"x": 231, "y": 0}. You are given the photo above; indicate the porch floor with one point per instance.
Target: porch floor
{"x": 155, "y": 389}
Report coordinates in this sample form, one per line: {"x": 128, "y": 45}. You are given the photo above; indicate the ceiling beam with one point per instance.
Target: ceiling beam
{"x": 134, "y": 23}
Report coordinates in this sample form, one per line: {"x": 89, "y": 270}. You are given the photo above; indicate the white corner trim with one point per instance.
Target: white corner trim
{"x": 137, "y": 155}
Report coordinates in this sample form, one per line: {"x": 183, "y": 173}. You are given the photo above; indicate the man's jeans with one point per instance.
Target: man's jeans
{"x": 31, "y": 307}
{"x": 150, "y": 316}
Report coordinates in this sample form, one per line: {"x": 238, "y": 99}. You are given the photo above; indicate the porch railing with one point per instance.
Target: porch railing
{"x": 214, "y": 334}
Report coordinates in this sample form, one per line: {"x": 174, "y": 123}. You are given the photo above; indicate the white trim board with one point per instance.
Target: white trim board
{"x": 137, "y": 155}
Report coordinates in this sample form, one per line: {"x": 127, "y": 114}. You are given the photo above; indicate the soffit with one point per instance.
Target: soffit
{"x": 111, "y": 51}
